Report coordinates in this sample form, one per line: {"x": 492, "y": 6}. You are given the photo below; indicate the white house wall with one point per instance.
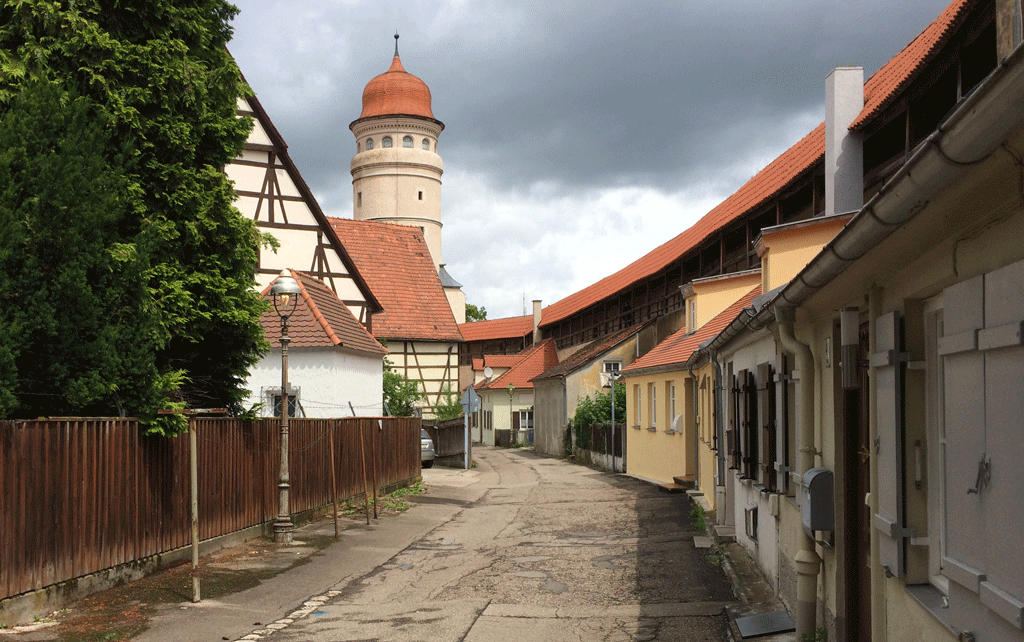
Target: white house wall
{"x": 433, "y": 363}
{"x": 328, "y": 380}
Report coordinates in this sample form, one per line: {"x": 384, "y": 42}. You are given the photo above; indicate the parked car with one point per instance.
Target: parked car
{"x": 426, "y": 448}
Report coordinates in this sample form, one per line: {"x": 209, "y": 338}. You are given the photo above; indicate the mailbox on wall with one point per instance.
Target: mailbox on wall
{"x": 816, "y": 506}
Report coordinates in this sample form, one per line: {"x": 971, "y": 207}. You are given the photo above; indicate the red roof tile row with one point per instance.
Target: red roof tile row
{"x": 676, "y": 349}
{"x": 320, "y": 319}
{"x": 396, "y": 264}
{"x": 532, "y": 361}
{"x": 886, "y": 84}
{"x": 593, "y": 351}
{"x": 880, "y": 90}
{"x": 507, "y": 328}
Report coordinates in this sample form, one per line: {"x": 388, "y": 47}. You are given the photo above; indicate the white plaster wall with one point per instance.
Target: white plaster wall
{"x": 328, "y": 378}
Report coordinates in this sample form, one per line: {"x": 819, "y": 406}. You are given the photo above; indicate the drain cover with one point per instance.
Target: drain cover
{"x": 754, "y": 626}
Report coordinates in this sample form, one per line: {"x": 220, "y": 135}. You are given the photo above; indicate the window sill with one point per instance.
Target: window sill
{"x": 636, "y": 427}
{"x": 932, "y": 599}
{"x": 670, "y": 432}
{"x": 652, "y": 429}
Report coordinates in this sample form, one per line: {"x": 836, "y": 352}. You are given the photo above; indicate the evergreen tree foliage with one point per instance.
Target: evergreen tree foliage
{"x": 158, "y": 75}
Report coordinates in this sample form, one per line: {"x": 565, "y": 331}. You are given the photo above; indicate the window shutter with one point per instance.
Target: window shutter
{"x": 888, "y": 363}
{"x": 766, "y": 418}
{"x": 964, "y": 407}
{"x": 733, "y": 437}
{"x": 780, "y": 383}
{"x": 750, "y": 426}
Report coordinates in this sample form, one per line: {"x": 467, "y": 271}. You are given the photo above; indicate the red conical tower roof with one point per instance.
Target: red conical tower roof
{"x": 396, "y": 91}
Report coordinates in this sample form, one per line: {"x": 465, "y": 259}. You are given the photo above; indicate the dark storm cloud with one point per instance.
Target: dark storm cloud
{"x": 584, "y": 94}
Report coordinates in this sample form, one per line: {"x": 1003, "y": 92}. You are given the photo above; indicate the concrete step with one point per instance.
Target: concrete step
{"x": 672, "y": 488}
{"x": 725, "y": 534}
{"x": 686, "y": 481}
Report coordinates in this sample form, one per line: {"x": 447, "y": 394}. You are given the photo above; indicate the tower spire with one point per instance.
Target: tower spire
{"x": 396, "y": 44}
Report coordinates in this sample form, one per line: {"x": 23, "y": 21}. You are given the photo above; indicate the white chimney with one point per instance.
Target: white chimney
{"x": 844, "y": 150}
{"x": 536, "y": 321}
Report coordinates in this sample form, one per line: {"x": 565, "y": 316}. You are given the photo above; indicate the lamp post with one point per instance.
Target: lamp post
{"x": 285, "y": 293}
{"x": 513, "y": 434}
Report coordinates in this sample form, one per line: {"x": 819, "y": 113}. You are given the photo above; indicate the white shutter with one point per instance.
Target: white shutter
{"x": 888, "y": 364}
{"x": 964, "y": 374}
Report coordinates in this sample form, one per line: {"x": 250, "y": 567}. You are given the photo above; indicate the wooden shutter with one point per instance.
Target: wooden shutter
{"x": 780, "y": 384}
{"x": 964, "y": 375}
{"x": 889, "y": 366}
{"x": 766, "y": 419}
{"x": 749, "y": 424}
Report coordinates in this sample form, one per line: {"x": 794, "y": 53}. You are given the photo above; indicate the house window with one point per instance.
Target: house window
{"x": 420, "y": 195}
{"x": 670, "y": 405}
{"x": 369, "y": 144}
{"x": 636, "y": 406}
{"x": 611, "y": 366}
{"x": 426, "y": 144}
{"x": 385, "y": 142}
{"x": 652, "y": 390}
{"x": 692, "y": 316}
{"x": 407, "y": 141}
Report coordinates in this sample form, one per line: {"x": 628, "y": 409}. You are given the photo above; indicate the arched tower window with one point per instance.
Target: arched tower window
{"x": 407, "y": 141}
{"x": 426, "y": 144}
{"x": 359, "y": 147}
{"x": 385, "y": 142}
{"x": 369, "y": 144}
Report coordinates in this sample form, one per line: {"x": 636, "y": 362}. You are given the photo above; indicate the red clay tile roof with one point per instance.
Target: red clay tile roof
{"x": 507, "y": 328}
{"x": 677, "y": 348}
{"x": 778, "y": 175}
{"x": 396, "y": 91}
{"x": 593, "y": 351}
{"x": 502, "y": 360}
{"x": 532, "y": 361}
{"x": 880, "y": 90}
{"x": 886, "y": 84}
{"x": 395, "y": 262}
{"x": 320, "y": 320}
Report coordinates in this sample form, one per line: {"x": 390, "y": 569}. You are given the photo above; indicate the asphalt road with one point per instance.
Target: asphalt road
{"x": 521, "y": 548}
{"x": 539, "y": 549}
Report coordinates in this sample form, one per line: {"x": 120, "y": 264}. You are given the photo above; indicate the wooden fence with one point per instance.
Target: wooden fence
{"x": 449, "y": 439}
{"x": 601, "y": 445}
{"x": 79, "y": 496}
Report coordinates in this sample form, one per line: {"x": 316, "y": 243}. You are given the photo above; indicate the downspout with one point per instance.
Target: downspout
{"x": 808, "y": 563}
{"x": 719, "y": 389}
{"x": 696, "y": 439}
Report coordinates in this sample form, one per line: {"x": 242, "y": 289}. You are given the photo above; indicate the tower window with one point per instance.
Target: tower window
{"x": 359, "y": 147}
{"x": 359, "y": 199}
{"x": 385, "y": 142}
{"x": 421, "y": 195}
{"x": 407, "y": 141}
{"x": 426, "y": 144}
{"x": 369, "y": 144}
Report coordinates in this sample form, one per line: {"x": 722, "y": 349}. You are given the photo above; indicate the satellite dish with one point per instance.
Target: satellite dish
{"x": 488, "y": 372}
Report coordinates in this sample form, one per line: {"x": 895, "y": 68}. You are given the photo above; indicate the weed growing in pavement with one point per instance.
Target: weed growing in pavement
{"x": 391, "y": 501}
{"x": 474, "y": 464}
{"x": 697, "y": 515}
{"x": 820, "y": 635}
{"x": 716, "y": 557}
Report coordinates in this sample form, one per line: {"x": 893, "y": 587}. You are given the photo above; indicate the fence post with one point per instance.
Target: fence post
{"x": 193, "y": 465}
{"x": 334, "y": 481}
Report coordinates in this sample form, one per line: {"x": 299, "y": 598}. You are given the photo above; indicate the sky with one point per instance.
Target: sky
{"x": 578, "y": 136}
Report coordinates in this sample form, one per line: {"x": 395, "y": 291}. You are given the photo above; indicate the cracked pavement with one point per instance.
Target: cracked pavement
{"x": 523, "y": 547}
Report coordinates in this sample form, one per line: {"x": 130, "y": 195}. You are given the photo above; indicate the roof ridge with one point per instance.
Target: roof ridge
{"x": 315, "y": 309}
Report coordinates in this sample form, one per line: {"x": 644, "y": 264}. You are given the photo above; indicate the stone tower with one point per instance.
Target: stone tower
{"x": 396, "y": 172}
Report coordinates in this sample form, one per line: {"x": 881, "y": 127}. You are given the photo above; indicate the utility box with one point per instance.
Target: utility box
{"x": 817, "y": 507}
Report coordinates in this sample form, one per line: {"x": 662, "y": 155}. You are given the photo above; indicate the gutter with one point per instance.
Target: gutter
{"x": 966, "y": 138}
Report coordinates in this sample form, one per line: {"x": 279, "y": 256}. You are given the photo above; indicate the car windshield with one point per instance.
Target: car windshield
{"x": 424, "y": 434}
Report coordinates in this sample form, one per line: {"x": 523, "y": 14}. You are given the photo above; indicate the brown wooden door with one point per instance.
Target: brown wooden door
{"x": 857, "y": 573}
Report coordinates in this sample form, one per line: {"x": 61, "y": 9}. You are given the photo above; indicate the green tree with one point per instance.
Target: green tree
{"x": 400, "y": 393}
{"x": 598, "y": 410}
{"x": 77, "y": 324}
{"x": 474, "y": 313}
{"x": 449, "y": 407}
{"x": 159, "y": 77}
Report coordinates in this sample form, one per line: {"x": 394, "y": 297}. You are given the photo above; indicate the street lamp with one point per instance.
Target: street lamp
{"x": 513, "y": 434}
{"x": 285, "y": 293}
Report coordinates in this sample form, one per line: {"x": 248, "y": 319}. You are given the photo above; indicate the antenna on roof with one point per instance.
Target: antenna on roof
{"x": 396, "y": 44}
